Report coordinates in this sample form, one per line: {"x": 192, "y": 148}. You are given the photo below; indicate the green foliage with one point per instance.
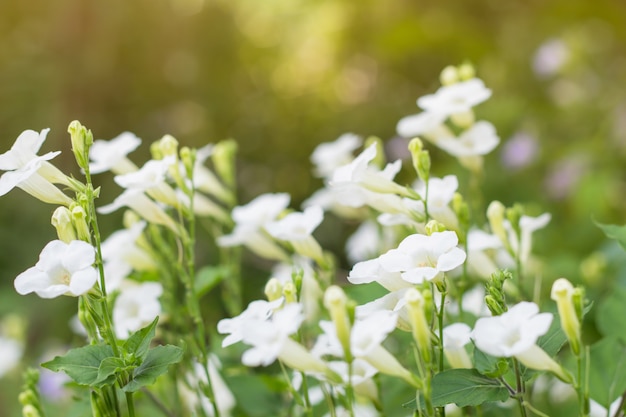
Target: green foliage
{"x": 208, "y": 277}
{"x": 607, "y": 375}
{"x": 466, "y": 387}
{"x": 155, "y": 364}
{"x": 609, "y": 309}
{"x": 612, "y": 231}
{"x": 97, "y": 366}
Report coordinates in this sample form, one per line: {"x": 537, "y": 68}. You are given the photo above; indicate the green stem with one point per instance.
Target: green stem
{"x": 130, "y": 404}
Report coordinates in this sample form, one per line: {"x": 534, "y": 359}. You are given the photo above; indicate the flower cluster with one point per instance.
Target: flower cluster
{"x": 438, "y": 311}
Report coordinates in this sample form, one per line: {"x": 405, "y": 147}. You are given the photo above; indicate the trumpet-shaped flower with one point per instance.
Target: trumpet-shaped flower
{"x": 270, "y": 340}
{"x": 62, "y": 269}
{"x": 424, "y": 258}
{"x": 455, "y": 98}
{"x": 455, "y": 337}
{"x": 296, "y": 228}
{"x": 135, "y": 307}
{"x": 366, "y": 337}
{"x": 359, "y": 172}
{"x": 331, "y": 155}
{"x": 429, "y": 125}
{"x": 372, "y": 270}
{"x": 25, "y": 149}
{"x": 250, "y": 222}
{"x": 27, "y": 178}
{"x": 515, "y": 333}
{"x": 143, "y": 205}
{"x": 121, "y": 254}
{"x": 258, "y": 310}
{"x": 480, "y": 139}
{"x": 150, "y": 178}
{"x": 110, "y": 155}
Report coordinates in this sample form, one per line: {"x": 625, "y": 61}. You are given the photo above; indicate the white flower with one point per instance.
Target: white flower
{"x": 480, "y": 139}
{"x": 110, "y": 155}
{"x": 151, "y": 179}
{"x": 270, "y": 340}
{"x": 258, "y": 310}
{"x": 27, "y": 178}
{"x": 368, "y": 240}
{"x": 515, "y": 333}
{"x": 250, "y": 221}
{"x": 522, "y": 246}
{"x": 62, "y": 269}
{"x": 372, "y": 270}
{"x": 440, "y": 193}
{"x": 429, "y": 125}
{"x": 262, "y": 210}
{"x": 512, "y": 332}
{"x": 455, "y": 337}
{"x": 366, "y": 337}
{"x": 359, "y": 172}
{"x": 121, "y": 254}
{"x": 455, "y": 98}
{"x": 296, "y": 228}
{"x": 424, "y": 258}
{"x": 136, "y": 307}
{"x": 331, "y": 155}
{"x": 25, "y": 149}
{"x": 143, "y": 205}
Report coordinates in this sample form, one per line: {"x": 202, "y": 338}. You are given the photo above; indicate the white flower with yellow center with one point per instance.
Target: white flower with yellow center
{"x": 63, "y": 269}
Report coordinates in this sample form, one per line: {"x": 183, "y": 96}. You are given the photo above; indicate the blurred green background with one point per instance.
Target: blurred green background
{"x": 281, "y": 76}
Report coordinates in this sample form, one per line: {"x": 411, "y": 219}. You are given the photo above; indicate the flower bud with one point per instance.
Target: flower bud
{"x": 168, "y": 145}
{"x": 513, "y": 215}
{"x": 449, "y": 75}
{"x": 335, "y": 301}
{"x": 433, "y": 226}
{"x": 62, "y": 222}
{"x": 415, "y": 304}
{"x": 421, "y": 159}
{"x": 290, "y": 293}
{"x": 273, "y": 289}
{"x": 30, "y": 410}
{"x": 188, "y": 158}
{"x": 563, "y": 292}
{"x": 82, "y": 139}
{"x": 495, "y": 215}
{"x": 466, "y": 71}
{"x": 79, "y": 220}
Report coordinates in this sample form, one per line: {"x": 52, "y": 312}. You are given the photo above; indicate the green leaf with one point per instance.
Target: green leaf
{"x": 156, "y": 363}
{"x": 106, "y": 373}
{"x": 466, "y": 387}
{"x": 613, "y": 231}
{"x": 208, "y": 277}
{"x": 607, "y": 373}
{"x": 81, "y": 364}
{"x": 138, "y": 343}
{"x": 610, "y": 310}
{"x": 489, "y": 365}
